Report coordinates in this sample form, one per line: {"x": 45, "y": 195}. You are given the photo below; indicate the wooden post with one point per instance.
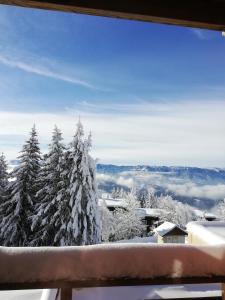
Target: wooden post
{"x": 66, "y": 294}
{"x": 223, "y": 291}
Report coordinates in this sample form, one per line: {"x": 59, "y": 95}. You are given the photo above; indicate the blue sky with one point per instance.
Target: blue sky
{"x": 150, "y": 93}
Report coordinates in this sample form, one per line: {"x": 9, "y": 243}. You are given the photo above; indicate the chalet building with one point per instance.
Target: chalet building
{"x": 170, "y": 233}
{"x": 206, "y": 233}
{"x": 210, "y": 217}
{"x": 205, "y": 216}
{"x": 112, "y": 204}
{"x": 150, "y": 217}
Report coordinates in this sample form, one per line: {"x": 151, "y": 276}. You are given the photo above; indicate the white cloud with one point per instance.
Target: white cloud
{"x": 201, "y": 34}
{"x": 199, "y": 191}
{"x": 41, "y": 70}
{"x": 120, "y": 180}
{"x": 185, "y": 133}
{"x": 185, "y": 188}
{"x": 125, "y": 181}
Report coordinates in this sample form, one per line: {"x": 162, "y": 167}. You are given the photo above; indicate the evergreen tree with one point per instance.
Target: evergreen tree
{"x": 220, "y": 211}
{"x": 118, "y": 193}
{"x": 80, "y": 223}
{"x": 147, "y": 198}
{"x": 128, "y": 223}
{"x": 3, "y": 179}
{"x": 17, "y": 209}
{"x": 45, "y": 221}
{"x": 63, "y": 214}
{"x": 151, "y": 199}
{"x": 107, "y": 223}
{"x": 174, "y": 211}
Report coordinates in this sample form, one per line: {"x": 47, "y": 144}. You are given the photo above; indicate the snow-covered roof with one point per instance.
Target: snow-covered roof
{"x": 210, "y": 216}
{"x": 112, "y": 202}
{"x": 150, "y": 212}
{"x": 199, "y": 213}
{"x": 213, "y": 233}
{"x": 166, "y": 227}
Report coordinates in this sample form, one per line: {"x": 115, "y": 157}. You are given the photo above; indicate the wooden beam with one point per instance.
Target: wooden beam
{"x": 64, "y": 285}
{"x": 223, "y": 291}
{"x": 66, "y": 294}
{"x": 209, "y": 14}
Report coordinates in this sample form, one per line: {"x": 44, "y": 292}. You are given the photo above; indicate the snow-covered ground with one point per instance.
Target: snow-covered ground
{"x": 21, "y": 295}
{"x": 121, "y": 293}
{"x": 148, "y": 292}
{"x": 143, "y": 292}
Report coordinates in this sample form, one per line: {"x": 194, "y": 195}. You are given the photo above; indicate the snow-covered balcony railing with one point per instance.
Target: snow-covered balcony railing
{"x": 109, "y": 265}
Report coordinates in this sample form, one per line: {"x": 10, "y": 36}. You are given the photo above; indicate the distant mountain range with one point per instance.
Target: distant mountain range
{"x": 198, "y": 175}
{"x": 199, "y": 187}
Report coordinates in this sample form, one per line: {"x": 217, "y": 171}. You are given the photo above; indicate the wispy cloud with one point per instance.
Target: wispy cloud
{"x": 43, "y": 71}
{"x": 160, "y": 108}
{"x": 120, "y": 180}
{"x": 170, "y": 183}
{"x": 191, "y": 189}
{"x": 202, "y": 34}
{"x": 187, "y": 133}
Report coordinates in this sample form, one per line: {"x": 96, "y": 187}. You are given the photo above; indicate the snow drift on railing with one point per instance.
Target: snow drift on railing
{"x": 109, "y": 262}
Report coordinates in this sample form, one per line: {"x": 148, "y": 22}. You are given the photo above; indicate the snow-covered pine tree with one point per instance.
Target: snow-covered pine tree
{"x": 107, "y": 223}
{"x": 63, "y": 213}
{"x": 82, "y": 225}
{"x": 128, "y": 223}
{"x": 90, "y": 193}
{"x": 45, "y": 223}
{"x": 147, "y": 198}
{"x": 151, "y": 201}
{"x": 142, "y": 195}
{"x": 15, "y": 226}
{"x": 220, "y": 211}
{"x": 175, "y": 212}
{"x": 118, "y": 193}
{"x": 3, "y": 179}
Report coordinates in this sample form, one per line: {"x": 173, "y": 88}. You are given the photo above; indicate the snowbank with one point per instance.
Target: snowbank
{"x": 23, "y": 295}
{"x": 49, "y": 294}
{"x": 108, "y": 262}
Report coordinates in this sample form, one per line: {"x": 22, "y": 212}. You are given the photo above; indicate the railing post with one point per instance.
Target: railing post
{"x": 66, "y": 294}
{"x": 223, "y": 291}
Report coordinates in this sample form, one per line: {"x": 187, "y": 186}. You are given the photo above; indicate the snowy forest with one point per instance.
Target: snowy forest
{"x": 50, "y": 199}
{"x": 53, "y": 200}
{"x": 127, "y": 224}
